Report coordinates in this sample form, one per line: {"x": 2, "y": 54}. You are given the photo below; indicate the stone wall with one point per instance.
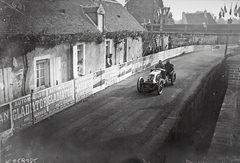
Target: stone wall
{"x": 193, "y": 109}
{"x": 225, "y": 143}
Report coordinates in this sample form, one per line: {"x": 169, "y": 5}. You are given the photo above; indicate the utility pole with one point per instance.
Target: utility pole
{"x": 225, "y": 54}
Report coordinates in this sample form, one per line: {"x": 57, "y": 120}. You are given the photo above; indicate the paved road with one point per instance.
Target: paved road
{"x": 116, "y": 123}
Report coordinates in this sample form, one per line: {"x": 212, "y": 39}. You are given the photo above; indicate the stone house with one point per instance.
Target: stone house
{"x": 47, "y": 42}
{"x": 200, "y": 18}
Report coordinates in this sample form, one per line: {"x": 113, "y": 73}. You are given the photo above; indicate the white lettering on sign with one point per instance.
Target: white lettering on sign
{"x": 22, "y": 101}
{"x": 84, "y": 87}
{"x": 4, "y": 116}
{"x": 26, "y": 109}
{"x": 58, "y": 96}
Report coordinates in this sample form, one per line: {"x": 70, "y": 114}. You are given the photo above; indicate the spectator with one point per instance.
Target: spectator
{"x": 109, "y": 60}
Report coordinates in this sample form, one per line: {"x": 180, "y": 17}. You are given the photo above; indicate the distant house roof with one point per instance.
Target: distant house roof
{"x": 199, "y": 18}
{"x": 143, "y": 10}
{"x": 64, "y": 17}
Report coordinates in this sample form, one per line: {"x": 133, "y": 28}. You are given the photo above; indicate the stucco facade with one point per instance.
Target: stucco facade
{"x": 61, "y": 60}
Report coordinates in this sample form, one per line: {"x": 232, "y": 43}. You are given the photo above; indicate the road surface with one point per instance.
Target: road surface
{"x": 116, "y": 123}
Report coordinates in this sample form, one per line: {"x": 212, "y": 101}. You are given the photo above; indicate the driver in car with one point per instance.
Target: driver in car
{"x": 162, "y": 66}
{"x": 169, "y": 67}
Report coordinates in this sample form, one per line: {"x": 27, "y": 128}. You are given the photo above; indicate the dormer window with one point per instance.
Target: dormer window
{"x": 95, "y": 15}
{"x": 100, "y": 13}
{"x": 100, "y": 22}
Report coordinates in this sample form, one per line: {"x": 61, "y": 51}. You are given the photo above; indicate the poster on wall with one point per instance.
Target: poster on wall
{"x": 60, "y": 97}
{"x": 22, "y": 112}
{"x": 122, "y": 69}
{"x": 98, "y": 81}
{"x": 40, "y": 106}
{"x": 5, "y": 118}
{"x": 134, "y": 66}
{"x": 83, "y": 87}
{"x": 128, "y": 68}
{"x": 111, "y": 75}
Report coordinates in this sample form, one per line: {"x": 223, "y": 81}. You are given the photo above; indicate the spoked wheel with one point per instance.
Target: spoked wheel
{"x": 173, "y": 78}
{"x": 160, "y": 87}
{"x": 140, "y": 84}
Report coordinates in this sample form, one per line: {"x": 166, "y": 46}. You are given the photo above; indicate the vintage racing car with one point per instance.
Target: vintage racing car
{"x": 155, "y": 81}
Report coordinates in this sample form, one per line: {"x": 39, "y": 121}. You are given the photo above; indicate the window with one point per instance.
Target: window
{"x": 100, "y": 22}
{"x": 100, "y": 18}
{"x": 79, "y": 60}
{"x": 42, "y": 74}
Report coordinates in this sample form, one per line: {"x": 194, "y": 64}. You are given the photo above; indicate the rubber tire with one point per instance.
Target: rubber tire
{"x": 173, "y": 78}
{"x": 140, "y": 81}
{"x": 160, "y": 87}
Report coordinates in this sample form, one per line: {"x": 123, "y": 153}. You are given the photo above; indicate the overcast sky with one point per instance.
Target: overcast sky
{"x": 191, "y": 6}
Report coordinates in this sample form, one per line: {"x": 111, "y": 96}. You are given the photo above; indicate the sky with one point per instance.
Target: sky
{"x": 191, "y": 6}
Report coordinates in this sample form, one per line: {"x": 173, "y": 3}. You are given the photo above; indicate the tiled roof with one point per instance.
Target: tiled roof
{"x": 199, "y": 18}
{"x": 50, "y": 16}
{"x": 64, "y": 17}
{"x": 117, "y": 18}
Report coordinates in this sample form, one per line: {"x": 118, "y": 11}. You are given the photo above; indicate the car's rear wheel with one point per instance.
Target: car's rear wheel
{"x": 173, "y": 78}
{"x": 140, "y": 82}
{"x": 160, "y": 87}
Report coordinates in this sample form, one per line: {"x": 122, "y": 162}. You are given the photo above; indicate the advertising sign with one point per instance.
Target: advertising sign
{"x": 83, "y": 87}
{"x": 5, "y": 118}
{"x": 147, "y": 61}
{"x": 134, "y": 65}
{"x": 154, "y": 58}
{"x": 39, "y": 105}
{"x": 98, "y": 81}
{"x": 22, "y": 112}
{"x": 111, "y": 75}
{"x": 141, "y": 66}
{"x": 122, "y": 70}
{"x": 60, "y": 97}
{"x": 129, "y": 68}
{"x": 144, "y": 63}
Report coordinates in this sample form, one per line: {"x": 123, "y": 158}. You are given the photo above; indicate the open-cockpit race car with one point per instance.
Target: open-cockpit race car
{"x": 155, "y": 80}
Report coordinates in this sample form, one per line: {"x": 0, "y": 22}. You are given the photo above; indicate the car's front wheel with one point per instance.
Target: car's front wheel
{"x": 173, "y": 78}
{"x": 140, "y": 82}
{"x": 160, "y": 87}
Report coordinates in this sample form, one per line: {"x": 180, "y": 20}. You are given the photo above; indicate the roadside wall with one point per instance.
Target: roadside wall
{"x": 193, "y": 109}
{"x": 225, "y": 145}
